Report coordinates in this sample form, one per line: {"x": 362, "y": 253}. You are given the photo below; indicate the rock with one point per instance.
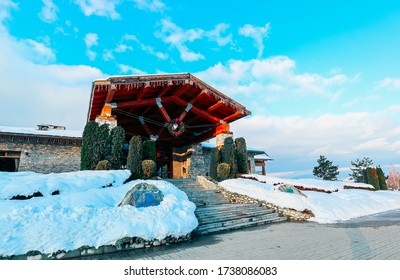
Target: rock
{"x": 143, "y": 195}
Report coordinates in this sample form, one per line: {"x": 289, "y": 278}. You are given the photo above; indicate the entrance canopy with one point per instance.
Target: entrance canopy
{"x": 173, "y": 109}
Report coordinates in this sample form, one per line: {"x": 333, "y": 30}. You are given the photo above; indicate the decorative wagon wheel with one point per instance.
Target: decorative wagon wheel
{"x": 176, "y": 127}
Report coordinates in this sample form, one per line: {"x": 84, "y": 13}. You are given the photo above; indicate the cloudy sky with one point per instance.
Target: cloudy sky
{"x": 321, "y": 78}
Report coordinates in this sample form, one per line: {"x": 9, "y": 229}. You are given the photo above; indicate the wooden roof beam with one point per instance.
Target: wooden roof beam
{"x": 110, "y": 95}
{"x": 233, "y": 117}
{"x": 198, "y": 111}
{"x": 215, "y": 106}
{"x": 161, "y": 108}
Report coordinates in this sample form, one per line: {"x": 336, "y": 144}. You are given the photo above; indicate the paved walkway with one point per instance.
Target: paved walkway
{"x": 366, "y": 239}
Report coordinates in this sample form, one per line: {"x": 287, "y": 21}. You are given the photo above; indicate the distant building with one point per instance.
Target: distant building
{"x": 46, "y": 149}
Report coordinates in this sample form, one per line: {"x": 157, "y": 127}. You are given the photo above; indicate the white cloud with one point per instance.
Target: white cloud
{"x": 35, "y": 51}
{"x": 178, "y": 38}
{"x": 48, "y": 13}
{"x": 42, "y": 93}
{"x": 126, "y": 69}
{"x": 258, "y": 34}
{"x": 275, "y": 77}
{"x": 5, "y": 10}
{"x": 389, "y": 83}
{"x": 104, "y": 8}
{"x": 342, "y": 137}
{"x": 150, "y": 5}
{"x": 91, "y": 40}
{"x": 216, "y": 35}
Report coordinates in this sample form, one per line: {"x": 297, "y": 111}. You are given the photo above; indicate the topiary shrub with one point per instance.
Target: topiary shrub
{"x": 135, "y": 157}
{"x": 117, "y": 147}
{"x": 103, "y": 165}
{"x": 149, "y": 168}
{"x": 88, "y": 142}
{"x": 228, "y": 156}
{"x": 381, "y": 179}
{"x": 223, "y": 171}
{"x": 215, "y": 159}
{"x": 149, "y": 150}
{"x": 241, "y": 155}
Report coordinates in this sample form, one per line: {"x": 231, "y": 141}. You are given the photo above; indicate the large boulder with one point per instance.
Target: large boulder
{"x": 143, "y": 195}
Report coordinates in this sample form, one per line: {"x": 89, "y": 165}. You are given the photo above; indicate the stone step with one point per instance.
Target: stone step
{"x": 207, "y": 230}
{"x": 235, "y": 217}
{"x": 225, "y": 207}
{"x": 235, "y": 213}
{"x": 221, "y": 222}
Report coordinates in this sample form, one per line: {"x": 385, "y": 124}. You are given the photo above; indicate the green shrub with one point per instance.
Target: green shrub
{"x": 135, "y": 157}
{"x": 103, "y": 165}
{"x": 117, "y": 147}
{"x": 241, "y": 155}
{"x": 149, "y": 150}
{"x": 223, "y": 171}
{"x": 228, "y": 156}
{"x": 215, "y": 159}
{"x": 149, "y": 168}
{"x": 372, "y": 178}
{"x": 88, "y": 141}
{"x": 381, "y": 179}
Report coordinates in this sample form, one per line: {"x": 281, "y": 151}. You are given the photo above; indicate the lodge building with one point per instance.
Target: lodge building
{"x": 178, "y": 111}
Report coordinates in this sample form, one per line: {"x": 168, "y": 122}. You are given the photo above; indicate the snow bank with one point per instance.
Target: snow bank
{"x": 27, "y": 183}
{"x": 327, "y": 208}
{"x": 92, "y": 218}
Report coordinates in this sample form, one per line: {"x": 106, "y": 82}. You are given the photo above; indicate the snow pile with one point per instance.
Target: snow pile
{"x": 309, "y": 184}
{"x": 327, "y": 207}
{"x": 26, "y": 183}
{"x": 51, "y": 132}
{"x": 92, "y": 218}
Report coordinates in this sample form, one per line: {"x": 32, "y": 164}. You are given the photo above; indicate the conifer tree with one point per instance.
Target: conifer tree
{"x": 135, "y": 157}
{"x": 325, "y": 169}
{"x": 87, "y": 151}
{"x": 381, "y": 179}
{"x": 214, "y": 161}
{"x": 357, "y": 168}
{"x": 117, "y": 147}
{"x": 149, "y": 150}
{"x": 241, "y": 155}
{"x": 372, "y": 178}
{"x": 228, "y": 156}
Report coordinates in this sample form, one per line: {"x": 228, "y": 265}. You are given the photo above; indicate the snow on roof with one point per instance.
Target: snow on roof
{"x": 262, "y": 156}
{"x": 35, "y": 131}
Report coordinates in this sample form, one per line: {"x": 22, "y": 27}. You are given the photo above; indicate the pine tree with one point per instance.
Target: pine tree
{"x": 214, "y": 161}
{"x": 358, "y": 166}
{"x": 117, "y": 147}
{"x": 87, "y": 151}
{"x": 135, "y": 157}
{"x": 372, "y": 178}
{"x": 228, "y": 156}
{"x": 241, "y": 155}
{"x": 325, "y": 169}
{"x": 381, "y": 179}
{"x": 149, "y": 150}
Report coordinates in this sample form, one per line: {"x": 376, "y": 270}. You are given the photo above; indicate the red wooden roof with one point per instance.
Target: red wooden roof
{"x": 144, "y": 104}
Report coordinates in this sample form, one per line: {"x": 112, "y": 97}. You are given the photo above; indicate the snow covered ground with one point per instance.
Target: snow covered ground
{"x": 85, "y": 213}
{"x": 345, "y": 204}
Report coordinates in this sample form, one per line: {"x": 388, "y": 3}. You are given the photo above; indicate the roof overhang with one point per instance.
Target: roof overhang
{"x": 145, "y": 105}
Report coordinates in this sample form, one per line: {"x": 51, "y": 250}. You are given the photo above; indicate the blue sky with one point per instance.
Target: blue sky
{"x": 319, "y": 77}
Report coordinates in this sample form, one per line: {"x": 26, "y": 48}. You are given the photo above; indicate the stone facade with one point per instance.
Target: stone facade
{"x": 44, "y": 154}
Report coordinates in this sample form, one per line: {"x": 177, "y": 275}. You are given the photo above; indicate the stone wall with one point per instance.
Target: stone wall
{"x": 45, "y": 158}
{"x": 199, "y": 162}
{"x": 291, "y": 214}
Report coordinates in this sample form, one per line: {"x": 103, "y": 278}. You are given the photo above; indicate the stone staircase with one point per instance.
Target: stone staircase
{"x": 215, "y": 213}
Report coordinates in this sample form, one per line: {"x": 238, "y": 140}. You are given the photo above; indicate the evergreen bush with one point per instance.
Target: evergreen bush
{"x": 149, "y": 150}
{"x": 149, "y": 168}
{"x": 103, "y": 165}
{"x": 241, "y": 155}
{"x": 117, "y": 147}
{"x": 215, "y": 159}
{"x": 381, "y": 179}
{"x": 372, "y": 178}
{"x": 228, "y": 156}
{"x": 135, "y": 157}
{"x": 357, "y": 168}
{"x": 102, "y": 144}
{"x": 88, "y": 141}
{"x": 325, "y": 169}
{"x": 223, "y": 171}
